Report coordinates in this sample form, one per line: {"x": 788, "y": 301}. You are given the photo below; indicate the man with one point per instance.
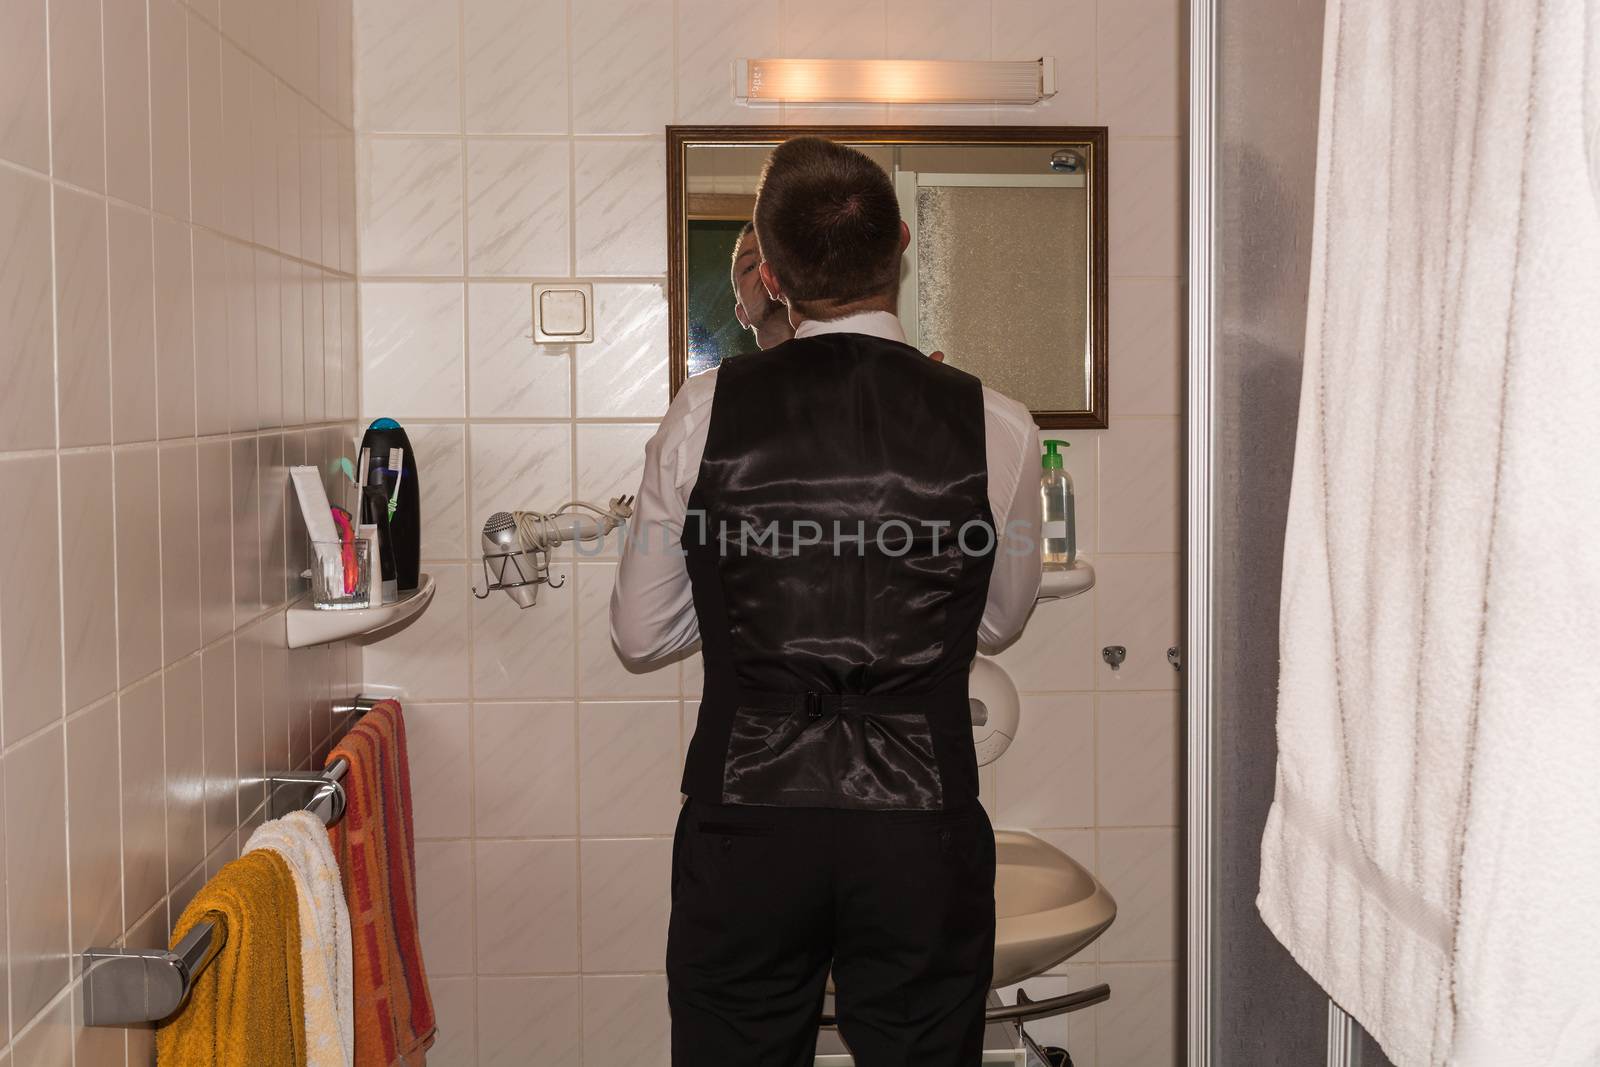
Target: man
{"x": 753, "y": 306}
{"x": 756, "y": 311}
{"x": 823, "y": 493}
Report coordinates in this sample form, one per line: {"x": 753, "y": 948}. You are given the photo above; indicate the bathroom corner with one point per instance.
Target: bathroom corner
{"x": 180, "y": 328}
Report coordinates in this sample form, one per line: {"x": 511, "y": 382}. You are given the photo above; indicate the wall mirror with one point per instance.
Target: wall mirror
{"x": 1005, "y": 274}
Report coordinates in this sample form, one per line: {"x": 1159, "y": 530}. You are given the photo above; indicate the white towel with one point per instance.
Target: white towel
{"x": 1432, "y": 857}
{"x": 302, "y": 840}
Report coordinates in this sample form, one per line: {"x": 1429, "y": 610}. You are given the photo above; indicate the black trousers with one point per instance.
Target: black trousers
{"x": 900, "y": 905}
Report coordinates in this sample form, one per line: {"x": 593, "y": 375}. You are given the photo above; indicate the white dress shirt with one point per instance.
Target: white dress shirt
{"x": 652, "y": 609}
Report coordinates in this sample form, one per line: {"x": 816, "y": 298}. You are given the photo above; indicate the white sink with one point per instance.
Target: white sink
{"x": 1047, "y": 907}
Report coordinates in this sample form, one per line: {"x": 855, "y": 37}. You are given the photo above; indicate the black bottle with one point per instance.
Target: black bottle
{"x": 391, "y": 501}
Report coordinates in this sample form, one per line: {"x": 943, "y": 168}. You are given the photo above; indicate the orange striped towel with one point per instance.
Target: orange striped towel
{"x": 394, "y": 1019}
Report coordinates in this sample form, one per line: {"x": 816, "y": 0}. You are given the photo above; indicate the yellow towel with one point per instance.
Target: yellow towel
{"x": 245, "y": 1009}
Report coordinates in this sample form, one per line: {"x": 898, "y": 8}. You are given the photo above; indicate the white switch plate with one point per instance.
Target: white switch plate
{"x": 563, "y": 312}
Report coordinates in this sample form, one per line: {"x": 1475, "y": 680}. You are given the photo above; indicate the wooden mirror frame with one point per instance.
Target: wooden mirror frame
{"x": 681, "y": 138}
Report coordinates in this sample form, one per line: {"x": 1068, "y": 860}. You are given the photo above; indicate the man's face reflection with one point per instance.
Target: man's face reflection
{"x": 757, "y": 312}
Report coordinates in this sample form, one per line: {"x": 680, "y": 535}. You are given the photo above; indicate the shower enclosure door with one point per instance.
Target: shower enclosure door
{"x": 979, "y": 245}
{"x": 1254, "y": 85}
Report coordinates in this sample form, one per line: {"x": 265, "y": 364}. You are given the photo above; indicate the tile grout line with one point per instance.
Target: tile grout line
{"x": 574, "y": 629}
{"x": 61, "y": 616}
{"x": 471, "y": 620}
{"x": 155, "y": 372}
{"x": 161, "y": 547}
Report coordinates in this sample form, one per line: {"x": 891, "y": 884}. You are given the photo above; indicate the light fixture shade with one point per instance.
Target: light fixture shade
{"x": 894, "y": 81}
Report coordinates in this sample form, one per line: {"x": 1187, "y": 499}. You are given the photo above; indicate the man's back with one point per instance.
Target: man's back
{"x": 840, "y": 542}
{"x": 652, "y": 611}
{"x": 840, "y": 477}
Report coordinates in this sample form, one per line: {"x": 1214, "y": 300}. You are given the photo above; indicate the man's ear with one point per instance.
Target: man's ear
{"x": 905, "y": 237}
{"x": 770, "y": 280}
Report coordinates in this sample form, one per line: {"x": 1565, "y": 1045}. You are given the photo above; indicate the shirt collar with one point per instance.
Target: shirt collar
{"x": 884, "y": 324}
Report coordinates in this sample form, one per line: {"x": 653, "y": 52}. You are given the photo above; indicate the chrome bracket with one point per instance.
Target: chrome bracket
{"x": 358, "y": 706}
{"x": 312, "y": 791}
{"x": 122, "y": 986}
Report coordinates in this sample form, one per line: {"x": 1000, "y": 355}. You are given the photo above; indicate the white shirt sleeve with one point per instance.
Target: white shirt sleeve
{"x": 652, "y": 606}
{"x": 1013, "y": 445}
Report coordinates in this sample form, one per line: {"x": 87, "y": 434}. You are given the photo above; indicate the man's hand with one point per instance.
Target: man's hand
{"x": 937, "y": 357}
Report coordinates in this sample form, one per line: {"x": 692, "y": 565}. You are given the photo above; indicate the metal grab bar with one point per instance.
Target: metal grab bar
{"x": 1026, "y": 1010}
{"x": 128, "y": 987}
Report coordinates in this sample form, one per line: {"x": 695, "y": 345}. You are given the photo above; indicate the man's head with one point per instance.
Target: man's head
{"x": 829, "y": 230}
{"x": 754, "y": 308}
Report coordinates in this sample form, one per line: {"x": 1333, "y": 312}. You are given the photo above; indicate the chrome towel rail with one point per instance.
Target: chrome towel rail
{"x": 128, "y": 987}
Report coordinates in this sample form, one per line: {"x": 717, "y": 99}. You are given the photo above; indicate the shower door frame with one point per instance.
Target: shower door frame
{"x": 1200, "y": 414}
{"x": 1344, "y": 1035}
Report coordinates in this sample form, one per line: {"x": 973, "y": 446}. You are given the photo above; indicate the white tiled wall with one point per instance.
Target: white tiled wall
{"x": 506, "y": 140}
{"x": 177, "y": 326}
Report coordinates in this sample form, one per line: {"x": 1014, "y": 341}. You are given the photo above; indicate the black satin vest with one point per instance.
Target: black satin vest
{"x": 839, "y": 543}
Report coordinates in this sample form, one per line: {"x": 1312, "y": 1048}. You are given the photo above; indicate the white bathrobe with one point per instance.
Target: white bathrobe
{"x": 1432, "y": 857}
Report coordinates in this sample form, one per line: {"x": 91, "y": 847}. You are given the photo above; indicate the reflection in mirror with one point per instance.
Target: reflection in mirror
{"x": 715, "y": 332}
{"x": 1004, "y": 274}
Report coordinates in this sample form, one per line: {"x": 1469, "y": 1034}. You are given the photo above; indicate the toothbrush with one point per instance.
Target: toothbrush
{"x": 347, "y": 548}
{"x": 397, "y": 461}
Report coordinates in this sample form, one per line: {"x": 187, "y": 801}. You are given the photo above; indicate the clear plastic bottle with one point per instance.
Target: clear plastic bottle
{"x": 1059, "y": 537}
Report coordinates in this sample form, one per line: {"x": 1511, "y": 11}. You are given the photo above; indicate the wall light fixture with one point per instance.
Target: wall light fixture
{"x": 893, "y": 81}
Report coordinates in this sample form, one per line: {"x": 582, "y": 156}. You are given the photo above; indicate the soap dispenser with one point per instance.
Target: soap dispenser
{"x": 1059, "y": 536}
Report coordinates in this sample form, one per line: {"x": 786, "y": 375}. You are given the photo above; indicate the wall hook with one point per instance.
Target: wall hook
{"x": 1175, "y": 657}
{"x": 1114, "y": 655}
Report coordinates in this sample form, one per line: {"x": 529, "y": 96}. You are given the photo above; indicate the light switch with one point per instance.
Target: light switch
{"x": 563, "y": 312}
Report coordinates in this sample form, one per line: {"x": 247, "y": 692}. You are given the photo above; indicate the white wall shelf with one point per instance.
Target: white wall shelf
{"x": 308, "y": 626}
{"x": 1060, "y": 584}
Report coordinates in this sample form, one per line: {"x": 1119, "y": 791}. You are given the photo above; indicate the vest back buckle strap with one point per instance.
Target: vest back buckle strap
{"x": 809, "y": 710}
{"x": 865, "y": 750}
{"x": 783, "y": 734}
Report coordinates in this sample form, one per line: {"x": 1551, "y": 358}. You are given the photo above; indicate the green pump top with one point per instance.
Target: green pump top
{"x": 1051, "y": 460}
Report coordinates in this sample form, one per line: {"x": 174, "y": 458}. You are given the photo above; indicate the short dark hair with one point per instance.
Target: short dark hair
{"x": 828, "y": 222}
{"x": 744, "y": 231}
